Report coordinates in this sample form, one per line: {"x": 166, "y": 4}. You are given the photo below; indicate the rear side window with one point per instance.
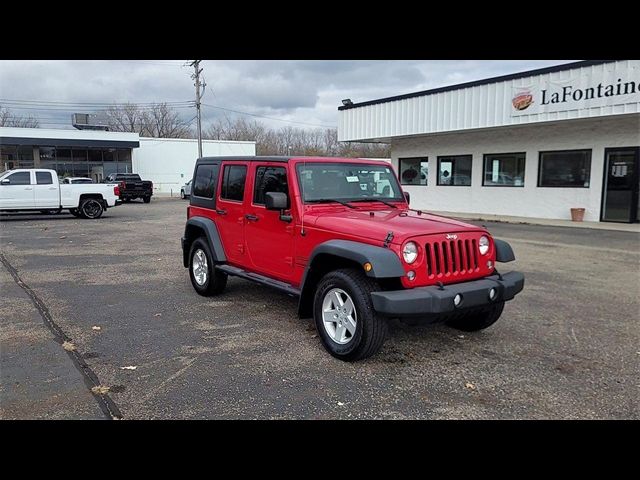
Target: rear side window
{"x": 269, "y": 179}
{"x": 233, "y": 182}
{"x": 19, "y": 178}
{"x": 43, "y": 178}
{"x": 205, "y": 181}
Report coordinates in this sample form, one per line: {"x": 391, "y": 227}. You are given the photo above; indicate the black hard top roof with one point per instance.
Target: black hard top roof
{"x": 243, "y": 158}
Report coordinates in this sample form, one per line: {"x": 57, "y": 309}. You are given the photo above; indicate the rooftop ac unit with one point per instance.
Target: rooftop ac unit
{"x": 87, "y": 121}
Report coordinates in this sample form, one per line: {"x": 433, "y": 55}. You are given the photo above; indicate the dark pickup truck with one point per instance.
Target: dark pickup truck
{"x": 131, "y": 186}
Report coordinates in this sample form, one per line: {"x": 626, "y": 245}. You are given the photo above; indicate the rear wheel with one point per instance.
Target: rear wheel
{"x": 478, "y": 320}
{"x": 91, "y": 208}
{"x": 348, "y": 325}
{"x": 206, "y": 280}
{"x": 146, "y": 199}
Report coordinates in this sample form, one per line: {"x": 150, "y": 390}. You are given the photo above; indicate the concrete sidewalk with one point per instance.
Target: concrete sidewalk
{"x": 620, "y": 227}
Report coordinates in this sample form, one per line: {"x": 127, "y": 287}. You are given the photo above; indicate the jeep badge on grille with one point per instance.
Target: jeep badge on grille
{"x": 452, "y": 236}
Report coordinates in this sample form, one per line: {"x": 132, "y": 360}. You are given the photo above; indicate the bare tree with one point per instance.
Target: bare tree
{"x": 125, "y": 118}
{"x": 157, "y": 120}
{"x": 292, "y": 141}
{"x": 9, "y": 119}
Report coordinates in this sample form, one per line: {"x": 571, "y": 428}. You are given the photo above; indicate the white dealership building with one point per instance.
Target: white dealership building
{"x": 531, "y": 144}
{"x": 167, "y": 162}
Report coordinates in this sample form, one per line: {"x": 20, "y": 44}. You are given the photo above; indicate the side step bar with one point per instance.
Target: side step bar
{"x": 256, "y": 277}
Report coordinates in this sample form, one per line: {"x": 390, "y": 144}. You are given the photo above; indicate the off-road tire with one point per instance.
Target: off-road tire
{"x": 216, "y": 280}
{"x": 182, "y": 195}
{"x": 146, "y": 199}
{"x": 89, "y": 208}
{"x": 477, "y": 320}
{"x": 371, "y": 328}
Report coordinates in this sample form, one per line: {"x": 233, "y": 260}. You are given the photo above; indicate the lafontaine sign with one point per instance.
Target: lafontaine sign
{"x": 576, "y": 93}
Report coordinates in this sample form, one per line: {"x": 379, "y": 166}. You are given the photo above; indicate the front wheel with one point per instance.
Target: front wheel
{"x": 478, "y": 320}
{"x": 348, "y": 325}
{"x": 75, "y": 212}
{"x": 91, "y": 208}
{"x": 206, "y": 280}
{"x": 146, "y": 199}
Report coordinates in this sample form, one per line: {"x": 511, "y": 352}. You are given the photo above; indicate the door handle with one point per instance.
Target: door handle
{"x": 221, "y": 212}
{"x": 251, "y": 218}
{"x": 28, "y": 188}
{"x": 52, "y": 188}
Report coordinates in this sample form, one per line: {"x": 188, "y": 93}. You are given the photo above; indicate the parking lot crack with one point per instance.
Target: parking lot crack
{"x": 106, "y": 404}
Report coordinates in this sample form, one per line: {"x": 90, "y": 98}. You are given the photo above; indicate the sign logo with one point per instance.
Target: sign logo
{"x": 522, "y": 100}
{"x": 451, "y": 236}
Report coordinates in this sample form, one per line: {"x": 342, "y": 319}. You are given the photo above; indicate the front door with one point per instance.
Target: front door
{"x": 16, "y": 191}
{"x": 230, "y": 214}
{"x": 269, "y": 239}
{"x": 620, "y": 191}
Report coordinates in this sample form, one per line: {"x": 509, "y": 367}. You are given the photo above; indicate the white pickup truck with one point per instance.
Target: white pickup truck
{"x": 39, "y": 189}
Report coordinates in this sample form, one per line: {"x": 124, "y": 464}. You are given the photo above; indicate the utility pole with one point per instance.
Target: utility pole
{"x": 196, "y": 76}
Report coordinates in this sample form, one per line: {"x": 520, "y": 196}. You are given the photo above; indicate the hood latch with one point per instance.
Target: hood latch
{"x": 388, "y": 239}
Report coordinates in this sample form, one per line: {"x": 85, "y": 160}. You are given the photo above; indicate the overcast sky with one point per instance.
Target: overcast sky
{"x": 307, "y": 92}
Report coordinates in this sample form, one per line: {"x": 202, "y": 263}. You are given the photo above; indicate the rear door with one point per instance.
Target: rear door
{"x": 230, "y": 210}
{"x": 46, "y": 190}
{"x": 269, "y": 239}
{"x": 16, "y": 191}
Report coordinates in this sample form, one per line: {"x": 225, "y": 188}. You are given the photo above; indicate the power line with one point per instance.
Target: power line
{"x": 269, "y": 118}
{"x": 95, "y": 104}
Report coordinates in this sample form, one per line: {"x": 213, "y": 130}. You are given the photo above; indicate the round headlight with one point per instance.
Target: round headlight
{"x": 410, "y": 252}
{"x": 483, "y": 245}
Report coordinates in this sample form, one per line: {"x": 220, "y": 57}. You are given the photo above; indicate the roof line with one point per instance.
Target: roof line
{"x": 485, "y": 81}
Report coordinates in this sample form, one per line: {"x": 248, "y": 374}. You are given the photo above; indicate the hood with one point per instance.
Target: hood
{"x": 368, "y": 223}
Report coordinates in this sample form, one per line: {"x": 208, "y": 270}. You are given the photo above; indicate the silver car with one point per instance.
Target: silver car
{"x": 185, "y": 191}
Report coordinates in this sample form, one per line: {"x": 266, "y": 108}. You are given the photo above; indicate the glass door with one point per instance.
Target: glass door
{"x": 621, "y": 185}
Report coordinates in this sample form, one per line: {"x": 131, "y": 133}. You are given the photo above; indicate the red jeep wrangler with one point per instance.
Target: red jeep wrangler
{"x": 339, "y": 234}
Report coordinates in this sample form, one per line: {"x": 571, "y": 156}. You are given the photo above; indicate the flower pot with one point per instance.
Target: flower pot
{"x": 577, "y": 214}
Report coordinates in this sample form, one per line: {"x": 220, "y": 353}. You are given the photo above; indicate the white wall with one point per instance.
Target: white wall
{"x": 169, "y": 163}
{"x": 530, "y": 200}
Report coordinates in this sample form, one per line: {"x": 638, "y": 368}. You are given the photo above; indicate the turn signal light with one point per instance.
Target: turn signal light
{"x": 367, "y": 267}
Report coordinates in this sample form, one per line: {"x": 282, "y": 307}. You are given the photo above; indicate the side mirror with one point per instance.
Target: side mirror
{"x": 275, "y": 200}
{"x": 407, "y": 197}
{"x": 5, "y": 181}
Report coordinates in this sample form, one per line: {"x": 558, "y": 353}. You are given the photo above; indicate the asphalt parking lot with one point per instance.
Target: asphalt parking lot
{"x": 567, "y": 347}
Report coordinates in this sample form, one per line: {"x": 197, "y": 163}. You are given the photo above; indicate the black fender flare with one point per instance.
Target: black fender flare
{"x": 210, "y": 230}
{"x": 384, "y": 262}
{"x": 504, "y": 252}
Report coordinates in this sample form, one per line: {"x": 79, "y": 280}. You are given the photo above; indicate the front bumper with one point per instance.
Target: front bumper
{"x": 434, "y": 301}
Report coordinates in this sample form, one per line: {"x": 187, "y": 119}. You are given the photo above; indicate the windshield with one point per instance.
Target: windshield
{"x": 343, "y": 181}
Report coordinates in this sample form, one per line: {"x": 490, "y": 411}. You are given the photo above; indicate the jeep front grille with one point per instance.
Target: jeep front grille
{"x": 455, "y": 257}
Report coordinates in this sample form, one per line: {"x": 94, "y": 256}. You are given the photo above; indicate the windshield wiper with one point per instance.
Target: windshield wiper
{"x": 374, "y": 200}
{"x": 322, "y": 200}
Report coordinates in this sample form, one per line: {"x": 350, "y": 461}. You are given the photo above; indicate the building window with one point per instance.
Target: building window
{"x": 414, "y": 171}
{"x": 569, "y": 168}
{"x": 233, "y": 182}
{"x": 454, "y": 170}
{"x": 504, "y": 170}
{"x": 270, "y": 179}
